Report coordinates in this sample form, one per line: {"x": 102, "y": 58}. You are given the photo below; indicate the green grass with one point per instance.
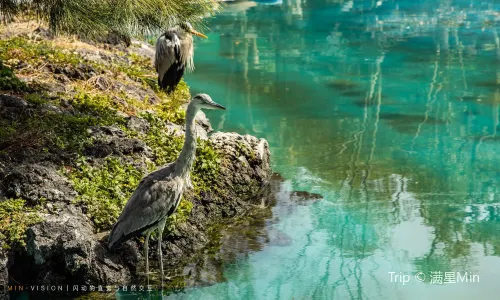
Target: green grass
{"x": 18, "y": 50}
{"x": 36, "y": 98}
{"x": 15, "y": 218}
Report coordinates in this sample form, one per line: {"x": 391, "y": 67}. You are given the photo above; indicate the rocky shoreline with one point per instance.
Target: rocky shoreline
{"x": 61, "y": 147}
{"x": 66, "y": 249}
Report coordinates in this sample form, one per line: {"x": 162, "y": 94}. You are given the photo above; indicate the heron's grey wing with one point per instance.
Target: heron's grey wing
{"x": 139, "y": 198}
{"x": 152, "y": 201}
{"x": 168, "y": 52}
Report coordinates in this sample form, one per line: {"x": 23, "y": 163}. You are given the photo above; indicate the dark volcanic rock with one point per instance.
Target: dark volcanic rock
{"x": 138, "y": 124}
{"x": 12, "y": 107}
{"x": 64, "y": 250}
{"x": 303, "y": 197}
{"x": 32, "y": 182}
{"x": 112, "y": 140}
{"x": 12, "y": 101}
{"x": 118, "y": 146}
{"x": 4, "y": 273}
{"x": 81, "y": 71}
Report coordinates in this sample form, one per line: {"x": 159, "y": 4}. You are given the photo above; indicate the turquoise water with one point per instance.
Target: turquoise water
{"x": 390, "y": 110}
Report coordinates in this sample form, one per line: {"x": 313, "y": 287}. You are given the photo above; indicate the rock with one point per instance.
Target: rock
{"x": 303, "y": 196}
{"x": 12, "y": 108}
{"x": 34, "y": 181}
{"x": 246, "y": 163}
{"x": 202, "y": 120}
{"x": 4, "y": 273}
{"x": 81, "y": 71}
{"x": 105, "y": 131}
{"x": 174, "y": 129}
{"x": 117, "y": 146}
{"x": 12, "y": 101}
{"x": 138, "y": 124}
{"x": 112, "y": 140}
{"x": 42, "y": 33}
{"x": 142, "y": 48}
{"x": 64, "y": 250}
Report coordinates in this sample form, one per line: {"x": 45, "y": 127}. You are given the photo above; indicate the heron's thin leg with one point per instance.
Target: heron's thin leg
{"x": 146, "y": 251}
{"x": 160, "y": 236}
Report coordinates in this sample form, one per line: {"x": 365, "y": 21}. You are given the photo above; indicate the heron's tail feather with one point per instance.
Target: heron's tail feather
{"x": 120, "y": 233}
{"x": 114, "y": 238}
{"x": 172, "y": 77}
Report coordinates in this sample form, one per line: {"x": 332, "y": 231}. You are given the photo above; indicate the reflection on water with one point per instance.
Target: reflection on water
{"x": 390, "y": 110}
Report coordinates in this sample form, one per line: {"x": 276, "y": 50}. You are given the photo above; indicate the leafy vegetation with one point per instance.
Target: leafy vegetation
{"x": 206, "y": 167}
{"x": 15, "y": 218}
{"x": 9, "y": 81}
{"x": 104, "y": 190}
{"x": 71, "y": 132}
{"x": 167, "y": 147}
{"x": 180, "y": 216}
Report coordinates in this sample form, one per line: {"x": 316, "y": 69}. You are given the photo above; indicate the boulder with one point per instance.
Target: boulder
{"x": 35, "y": 181}
{"x": 65, "y": 248}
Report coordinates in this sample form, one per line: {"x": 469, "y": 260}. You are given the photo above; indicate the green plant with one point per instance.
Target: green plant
{"x": 20, "y": 50}
{"x": 97, "y": 105}
{"x": 206, "y": 166}
{"x": 9, "y": 81}
{"x": 180, "y": 216}
{"x": 165, "y": 147}
{"x": 36, "y": 98}
{"x": 104, "y": 190}
{"x": 15, "y": 218}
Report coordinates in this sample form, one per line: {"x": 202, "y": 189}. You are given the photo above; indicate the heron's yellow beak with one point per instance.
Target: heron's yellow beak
{"x": 198, "y": 34}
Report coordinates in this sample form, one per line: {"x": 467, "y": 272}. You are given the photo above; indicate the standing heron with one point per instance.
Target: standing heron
{"x": 159, "y": 193}
{"x": 174, "y": 53}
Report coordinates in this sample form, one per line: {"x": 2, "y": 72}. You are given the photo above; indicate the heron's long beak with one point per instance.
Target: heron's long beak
{"x": 198, "y": 34}
{"x": 217, "y": 106}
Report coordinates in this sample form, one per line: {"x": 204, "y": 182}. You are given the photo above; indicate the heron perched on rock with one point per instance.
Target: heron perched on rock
{"x": 159, "y": 193}
{"x": 174, "y": 54}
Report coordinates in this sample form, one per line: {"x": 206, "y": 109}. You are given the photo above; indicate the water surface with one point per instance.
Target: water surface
{"x": 390, "y": 111}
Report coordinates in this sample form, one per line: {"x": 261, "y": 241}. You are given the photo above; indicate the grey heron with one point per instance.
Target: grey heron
{"x": 174, "y": 54}
{"x": 159, "y": 193}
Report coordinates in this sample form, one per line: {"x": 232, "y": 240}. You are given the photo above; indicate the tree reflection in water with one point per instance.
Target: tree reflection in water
{"x": 390, "y": 109}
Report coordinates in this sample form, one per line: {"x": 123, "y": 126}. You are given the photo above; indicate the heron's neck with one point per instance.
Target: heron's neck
{"x": 186, "y": 157}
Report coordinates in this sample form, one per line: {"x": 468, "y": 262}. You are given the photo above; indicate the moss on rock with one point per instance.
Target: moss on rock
{"x": 15, "y": 218}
